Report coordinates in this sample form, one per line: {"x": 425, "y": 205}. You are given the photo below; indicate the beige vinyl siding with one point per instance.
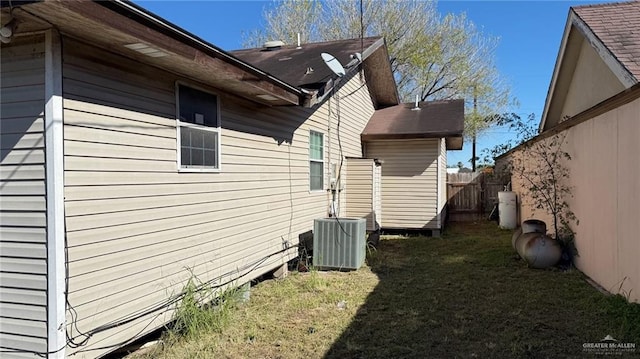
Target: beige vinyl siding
{"x": 377, "y": 195}
{"x": 135, "y": 224}
{"x": 23, "y": 252}
{"x": 351, "y": 110}
{"x": 442, "y": 182}
{"x": 360, "y": 191}
{"x": 409, "y": 182}
{"x": 605, "y": 181}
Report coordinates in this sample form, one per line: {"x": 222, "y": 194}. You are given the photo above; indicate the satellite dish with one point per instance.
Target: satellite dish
{"x": 333, "y": 64}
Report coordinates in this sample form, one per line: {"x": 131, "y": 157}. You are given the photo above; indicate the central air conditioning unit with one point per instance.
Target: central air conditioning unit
{"x": 339, "y": 243}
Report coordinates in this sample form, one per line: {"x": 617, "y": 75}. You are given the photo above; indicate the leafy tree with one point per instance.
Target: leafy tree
{"x": 523, "y": 129}
{"x": 284, "y": 20}
{"x": 433, "y": 56}
{"x": 540, "y": 165}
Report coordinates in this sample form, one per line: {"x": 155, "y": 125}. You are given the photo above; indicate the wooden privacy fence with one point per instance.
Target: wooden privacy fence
{"x": 471, "y": 196}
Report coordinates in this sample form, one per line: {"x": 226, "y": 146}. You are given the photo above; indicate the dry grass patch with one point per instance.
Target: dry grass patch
{"x": 463, "y": 295}
{"x": 300, "y": 316}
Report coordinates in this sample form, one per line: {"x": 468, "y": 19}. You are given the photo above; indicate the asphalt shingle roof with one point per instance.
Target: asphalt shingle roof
{"x": 434, "y": 119}
{"x": 303, "y": 67}
{"x": 617, "y": 25}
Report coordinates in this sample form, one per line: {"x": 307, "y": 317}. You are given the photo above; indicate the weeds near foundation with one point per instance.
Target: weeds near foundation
{"x": 203, "y": 310}
{"x": 462, "y": 295}
{"x": 314, "y": 282}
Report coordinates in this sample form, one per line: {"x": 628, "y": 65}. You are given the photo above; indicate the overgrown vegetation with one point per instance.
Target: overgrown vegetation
{"x": 541, "y": 169}
{"x": 463, "y": 295}
{"x": 202, "y": 310}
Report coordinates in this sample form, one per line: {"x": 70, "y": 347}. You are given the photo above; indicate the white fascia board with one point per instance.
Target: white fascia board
{"x": 439, "y": 185}
{"x": 56, "y": 273}
{"x": 619, "y": 70}
{"x": 556, "y": 69}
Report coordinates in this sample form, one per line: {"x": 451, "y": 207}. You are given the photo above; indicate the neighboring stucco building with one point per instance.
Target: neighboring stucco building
{"x": 594, "y": 99}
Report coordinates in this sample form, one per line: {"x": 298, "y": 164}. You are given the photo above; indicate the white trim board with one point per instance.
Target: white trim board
{"x": 53, "y": 114}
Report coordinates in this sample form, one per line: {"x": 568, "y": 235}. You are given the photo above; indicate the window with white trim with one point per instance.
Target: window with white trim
{"x": 316, "y": 161}
{"x": 198, "y": 121}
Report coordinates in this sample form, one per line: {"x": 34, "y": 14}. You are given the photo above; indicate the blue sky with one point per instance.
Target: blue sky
{"x": 529, "y": 31}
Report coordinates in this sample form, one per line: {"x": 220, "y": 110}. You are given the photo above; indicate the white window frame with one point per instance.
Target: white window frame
{"x": 179, "y": 124}
{"x": 316, "y": 161}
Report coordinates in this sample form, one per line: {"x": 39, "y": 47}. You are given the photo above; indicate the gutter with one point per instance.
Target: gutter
{"x": 127, "y": 8}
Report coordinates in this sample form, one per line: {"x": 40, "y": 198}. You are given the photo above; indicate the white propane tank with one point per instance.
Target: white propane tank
{"x": 507, "y": 210}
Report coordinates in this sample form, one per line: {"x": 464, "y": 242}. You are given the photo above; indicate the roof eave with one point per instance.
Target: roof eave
{"x": 371, "y": 53}
{"x": 195, "y": 41}
{"x": 116, "y": 23}
{"x": 556, "y": 69}
{"x": 408, "y": 136}
{"x": 379, "y": 76}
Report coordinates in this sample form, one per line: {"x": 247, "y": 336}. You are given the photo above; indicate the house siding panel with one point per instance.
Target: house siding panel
{"x": 442, "y": 183}
{"x": 135, "y": 224}
{"x": 360, "y": 191}
{"x": 409, "y": 182}
{"x": 23, "y": 256}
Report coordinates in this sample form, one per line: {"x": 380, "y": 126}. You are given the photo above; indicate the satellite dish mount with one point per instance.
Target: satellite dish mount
{"x": 333, "y": 63}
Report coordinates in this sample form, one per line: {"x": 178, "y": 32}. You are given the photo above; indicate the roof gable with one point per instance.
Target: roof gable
{"x": 582, "y": 39}
{"x": 617, "y": 26}
{"x": 303, "y": 66}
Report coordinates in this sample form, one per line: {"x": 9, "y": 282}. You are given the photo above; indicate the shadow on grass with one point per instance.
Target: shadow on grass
{"x": 468, "y": 295}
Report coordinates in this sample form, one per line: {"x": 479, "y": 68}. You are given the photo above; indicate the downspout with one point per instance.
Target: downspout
{"x": 56, "y": 261}
{"x": 330, "y": 188}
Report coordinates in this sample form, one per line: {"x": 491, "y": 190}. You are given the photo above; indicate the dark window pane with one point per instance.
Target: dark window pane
{"x": 198, "y": 107}
{"x": 198, "y": 148}
{"x": 185, "y": 136}
{"x": 197, "y": 157}
{"x": 210, "y": 159}
{"x": 185, "y": 156}
{"x": 316, "y": 176}
{"x": 210, "y": 142}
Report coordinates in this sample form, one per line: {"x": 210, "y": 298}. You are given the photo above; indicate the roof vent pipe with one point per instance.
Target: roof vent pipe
{"x": 273, "y": 45}
{"x": 416, "y": 108}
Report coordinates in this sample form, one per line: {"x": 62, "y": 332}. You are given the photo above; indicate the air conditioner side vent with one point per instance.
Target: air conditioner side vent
{"x": 339, "y": 243}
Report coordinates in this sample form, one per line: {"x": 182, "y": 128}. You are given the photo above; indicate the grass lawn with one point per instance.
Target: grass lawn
{"x": 460, "y": 296}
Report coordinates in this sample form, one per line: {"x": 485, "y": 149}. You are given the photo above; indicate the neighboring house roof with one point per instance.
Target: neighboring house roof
{"x": 617, "y": 26}
{"x": 613, "y": 31}
{"x": 304, "y": 67}
{"x": 435, "y": 119}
